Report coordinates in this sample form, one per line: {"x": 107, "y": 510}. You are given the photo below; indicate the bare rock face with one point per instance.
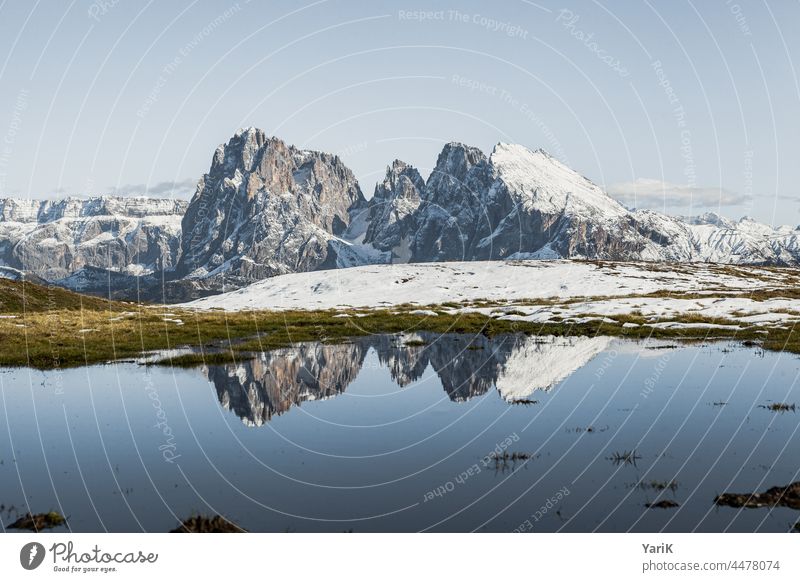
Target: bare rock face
{"x": 55, "y": 240}
{"x": 452, "y": 212}
{"x": 264, "y": 209}
{"x": 392, "y": 210}
{"x": 517, "y": 203}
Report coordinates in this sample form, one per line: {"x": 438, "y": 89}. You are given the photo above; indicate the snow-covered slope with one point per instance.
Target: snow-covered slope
{"x": 436, "y": 283}
{"x": 539, "y": 181}
{"x": 536, "y": 291}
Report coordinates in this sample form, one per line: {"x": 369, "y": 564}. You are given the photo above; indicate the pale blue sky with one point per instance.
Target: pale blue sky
{"x": 105, "y": 95}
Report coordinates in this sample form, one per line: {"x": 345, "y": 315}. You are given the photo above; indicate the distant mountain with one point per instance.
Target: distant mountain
{"x": 266, "y": 208}
{"x": 55, "y": 240}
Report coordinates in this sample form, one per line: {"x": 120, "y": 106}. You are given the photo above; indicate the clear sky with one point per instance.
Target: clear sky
{"x": 679, "y": 105}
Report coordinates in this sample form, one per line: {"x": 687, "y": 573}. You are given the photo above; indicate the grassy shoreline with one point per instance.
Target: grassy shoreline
{"x": 55, "y": 329}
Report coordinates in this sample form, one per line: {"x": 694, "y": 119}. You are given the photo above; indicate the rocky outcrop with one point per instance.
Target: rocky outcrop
{"x": 786, "y": 496}
{"x": 453, "y": 209}
{"x": 264, "y": 209}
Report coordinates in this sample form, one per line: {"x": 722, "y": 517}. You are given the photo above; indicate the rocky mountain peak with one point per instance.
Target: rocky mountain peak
{"x": 392, "y": 209}
{"x": 265, "y": 208}
{"x": 401, "y": 181}
{"x": 453, "y": 165}
{"x": 709, "y": 218}
{"x": 452, "y": 215}
{"x": 239, "y": 152}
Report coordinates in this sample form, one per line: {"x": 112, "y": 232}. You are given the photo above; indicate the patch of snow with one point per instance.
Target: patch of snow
{"x": 423, "y": 312}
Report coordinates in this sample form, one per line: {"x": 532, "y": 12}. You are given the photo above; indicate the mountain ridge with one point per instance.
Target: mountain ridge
{"x": 54, "y": 240}
{"x": 266, "y": 208}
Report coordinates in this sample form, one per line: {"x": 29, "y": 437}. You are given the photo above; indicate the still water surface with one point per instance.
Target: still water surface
{"x": 399, "y": 433}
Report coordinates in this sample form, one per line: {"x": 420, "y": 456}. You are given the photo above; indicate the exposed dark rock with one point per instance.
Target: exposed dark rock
{"x": 39, "y": 521}
{"x": 788, "y": 496}
{"x": 663, "y": 504}
{"x": 202, "y": 524}
{"x": 393, "y": 208}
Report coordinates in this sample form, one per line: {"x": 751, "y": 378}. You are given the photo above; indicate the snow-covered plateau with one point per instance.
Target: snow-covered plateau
{"x": 536, "y": 291}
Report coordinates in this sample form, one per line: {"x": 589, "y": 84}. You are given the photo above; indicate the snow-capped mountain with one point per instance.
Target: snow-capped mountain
{"x": 520, "y": 204}
{"x": 56, "y": 240}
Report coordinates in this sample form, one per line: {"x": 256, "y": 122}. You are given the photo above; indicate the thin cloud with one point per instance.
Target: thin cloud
{"x": 178, "y": 189}
{"x": 651, "y": 193}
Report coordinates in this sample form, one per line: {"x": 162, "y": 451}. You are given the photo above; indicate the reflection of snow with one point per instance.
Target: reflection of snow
{"x": 538, "y": 363}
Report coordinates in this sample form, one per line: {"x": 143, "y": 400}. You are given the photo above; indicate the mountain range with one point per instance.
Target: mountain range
{"x": 266, "y": 208}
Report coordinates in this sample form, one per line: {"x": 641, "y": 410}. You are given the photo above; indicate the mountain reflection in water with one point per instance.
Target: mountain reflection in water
{"x": 467, "y": 366}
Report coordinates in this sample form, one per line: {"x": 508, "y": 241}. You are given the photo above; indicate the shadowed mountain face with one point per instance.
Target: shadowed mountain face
{"x": 523, "y": 204}
{"x": 467, "y": 367}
